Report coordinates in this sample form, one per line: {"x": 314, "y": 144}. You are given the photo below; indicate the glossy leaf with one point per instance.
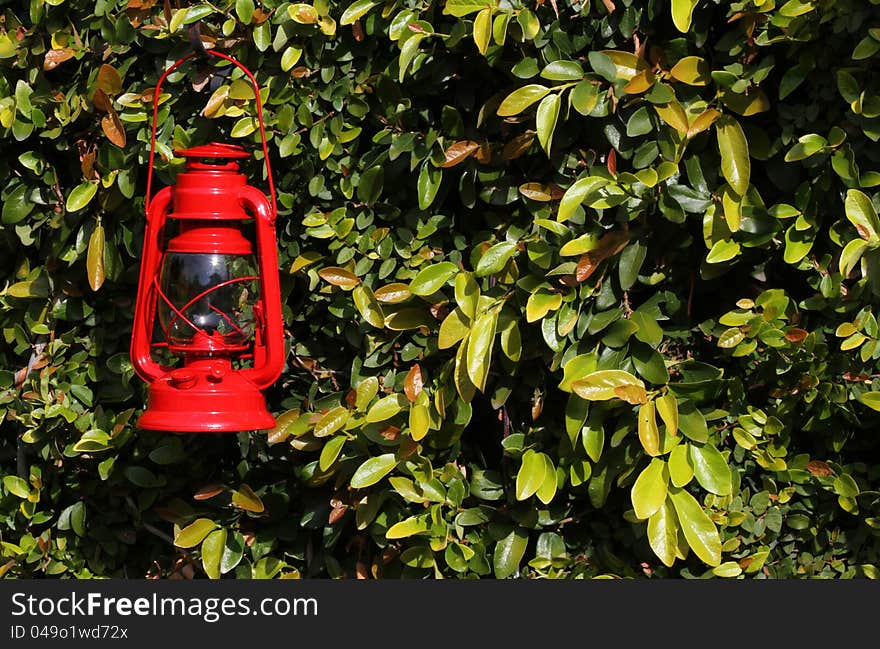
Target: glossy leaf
{"x": 697, "y": 528}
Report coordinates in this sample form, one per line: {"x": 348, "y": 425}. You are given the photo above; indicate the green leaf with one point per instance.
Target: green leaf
{"x": 431, "y": 279}
{"x": 723, "y": 251}
{"x": 331, "y": 451}
{"x": 531, "y": 474}
{"x": 861, "y": 213}
{"x": 649, "y": 490}
{"x": 563, "y": 71}
{"x": 368, "y": 306}
{"x": 194, "y": 533}
{"x": 244, "y": 9}
{"x": 495, "y": 258}
{"x": 373, "y": 470}
{"x": 459, "y": 8}
{"x": 16, "y": 205}
{"x": 521, "y": 98}
{"x": 851, "y": 255}
{"x": 356, "y": 11}
{"x": 547, "y": 490}
{"x": 407, "y": 53}
{"x": 386, "y": 407}
{"x": 734, "y": 148}
{"x": 479, "y": 349}
{"x": 289, "y": 59}
{"x": 610, "y": 384}
{"x": 81, "y": 195}
{"x": 681, "y": 471}
{"x": 509, "y": 552}
{"x": 698, "y": 529}
{"x": 17, "y": 486}
{"x": 663, "y": 533}
{"x": 331, "y": 422}
{"x": 692, "y": 423}
{"x": 408, "y": 527}
{"x": 212, "y": 551}
{"x": 727, "y": 569}
{"x": 467, "y": 294}
{"x": 584, "y": 97}
{"x": 548, "y": 112}
{"x": 576, "y": 194}
{"x": 711, "y": 469}
{"x": 428, "y": 184}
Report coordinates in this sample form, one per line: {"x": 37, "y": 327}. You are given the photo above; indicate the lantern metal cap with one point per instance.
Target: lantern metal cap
{"x": 215, "y": 150}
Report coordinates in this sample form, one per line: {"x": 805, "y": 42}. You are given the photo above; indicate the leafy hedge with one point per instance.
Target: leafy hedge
{"x": 571, "y": 289}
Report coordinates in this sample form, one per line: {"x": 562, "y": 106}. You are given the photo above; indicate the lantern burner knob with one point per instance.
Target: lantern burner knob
{"x": 183, "y": 378}
{"x": 217, "y": 372}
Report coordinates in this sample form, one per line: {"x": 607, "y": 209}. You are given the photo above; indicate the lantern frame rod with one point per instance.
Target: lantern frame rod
{"x": 259, "y": 102}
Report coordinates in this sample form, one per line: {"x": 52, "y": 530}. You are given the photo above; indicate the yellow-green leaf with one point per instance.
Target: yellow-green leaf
{"x": 663, "y": 533}
{"x": 698, "y": 529}
{"x": 649, "y": 434}
{"x": 711, "y": 469}
{"x": 861, "y": 213}
{"x": 667, "y": 407}
{"x": 81, "y": 195}
{"x": 331, "y": 422}
{"x": 386, "y": 407}
{"x": 540, "y": 304}
{"x": 521, "y": 98}
{"x": 682, "y": 11}
{"x": 368, "y": 306}
{"x": 531, "y": 474}
{"x": 605, "y": 384}
{"x": 483, "y": 30}
{"x": 373, "y": 470}
{"x": 649, "y": 490}
{"x": 95, "y": 258}
{"x": 212, "y": 552}
{"x": 431, "y": 279}
{"x": 735, "y": 164}
{"x": 194, "y": 533}
{"x": 245, "y": 498}
{"x": 547, "y": 490}
{"x": 673, "y": 114}
{"x": 479, "y": 350}
{"x": 692, "y": 70}
{"x": 680, "y": 469}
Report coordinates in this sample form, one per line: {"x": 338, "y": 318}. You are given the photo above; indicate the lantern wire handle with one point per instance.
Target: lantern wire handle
{"x": 250, "y": 76}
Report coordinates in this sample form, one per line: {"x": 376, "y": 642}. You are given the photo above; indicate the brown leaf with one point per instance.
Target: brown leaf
{"x": 87, "y": 164}
{"x": 459, "y": 152}
{"x": 113, "y": 128}
{"x": 54, "y": 58}
{"x": 208, "y": 491}
{"x": 536, "y": 192}
{"x": 390, "y": 432}
{"x": 338, "y": 276}
{"x": 795, "y": 335}
{"x": 611, "y": 162}
{"x": 260, "y": 16}
{"x": 109, "y": 80}
{"x": 166, "y": 10}
{"x": 609, "y": 6}
{"x": 413, "y": 384}
{"x": 357, "y": 31}
{"x": 102, "y": 101}
{"x": 517, "y": 146}
{"x": 300, "y": 72}
{"x": 336, "y": 513}
{"x": 609, "y": 245}
{"x": 361, "y": 570}
{"x": 484, "y": 154}
{"x": 819, "y": 468}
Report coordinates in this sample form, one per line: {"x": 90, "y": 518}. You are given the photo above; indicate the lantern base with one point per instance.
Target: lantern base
{"x": 207, "y": 397}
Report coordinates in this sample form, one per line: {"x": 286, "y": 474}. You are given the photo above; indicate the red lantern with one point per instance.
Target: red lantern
{"x": 214, "y": 294}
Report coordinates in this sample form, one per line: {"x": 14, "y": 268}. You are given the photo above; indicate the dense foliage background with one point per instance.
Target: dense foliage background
{"x": 571, "y": 289}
